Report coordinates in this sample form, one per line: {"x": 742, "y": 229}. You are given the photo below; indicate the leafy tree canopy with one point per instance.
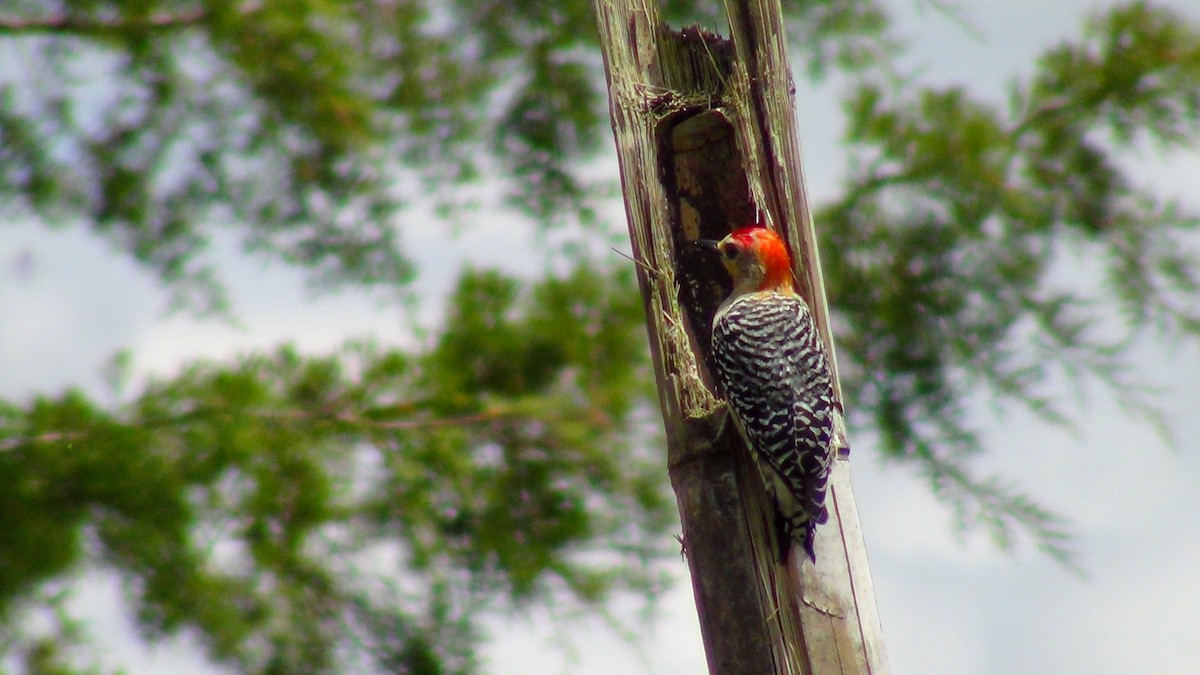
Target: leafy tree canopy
{"x": 332, "y": 513}
{"x": 269, "y": 503}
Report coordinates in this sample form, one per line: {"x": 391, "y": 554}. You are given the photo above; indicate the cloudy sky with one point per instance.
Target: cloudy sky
{"x": 950, "y": 603}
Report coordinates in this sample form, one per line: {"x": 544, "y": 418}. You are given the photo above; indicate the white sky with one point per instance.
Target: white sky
{"x": 950, "y": 604}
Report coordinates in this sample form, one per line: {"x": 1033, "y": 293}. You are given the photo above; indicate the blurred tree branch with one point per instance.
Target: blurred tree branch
{"x": 92, "y": 26}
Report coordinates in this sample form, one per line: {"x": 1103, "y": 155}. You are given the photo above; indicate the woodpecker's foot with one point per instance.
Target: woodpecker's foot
{"x": 841, "y": 443}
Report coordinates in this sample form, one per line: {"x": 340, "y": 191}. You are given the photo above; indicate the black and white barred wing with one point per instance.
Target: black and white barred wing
{"x": 774, "y": 372}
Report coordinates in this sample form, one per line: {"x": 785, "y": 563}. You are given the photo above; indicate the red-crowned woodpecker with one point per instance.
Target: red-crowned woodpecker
{"x": 773, "y": 369}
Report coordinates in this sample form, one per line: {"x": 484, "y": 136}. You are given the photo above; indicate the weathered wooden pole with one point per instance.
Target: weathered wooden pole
{"x": 706, "y": 141}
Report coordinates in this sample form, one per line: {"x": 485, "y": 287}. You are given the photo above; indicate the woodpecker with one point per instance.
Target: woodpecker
{"x": 772, "y": 368}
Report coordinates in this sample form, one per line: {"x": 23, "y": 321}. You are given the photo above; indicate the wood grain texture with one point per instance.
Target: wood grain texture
{"x": 706, "y": 141}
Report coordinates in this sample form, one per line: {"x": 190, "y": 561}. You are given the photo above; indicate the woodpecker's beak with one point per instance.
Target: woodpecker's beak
{"x": 710, "y": 244}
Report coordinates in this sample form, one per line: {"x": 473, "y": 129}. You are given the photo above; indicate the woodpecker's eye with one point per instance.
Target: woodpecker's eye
{"x": 732, "y": 250}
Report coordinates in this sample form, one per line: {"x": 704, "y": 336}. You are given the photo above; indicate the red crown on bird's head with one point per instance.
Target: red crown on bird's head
{"x": 771, "y": 250}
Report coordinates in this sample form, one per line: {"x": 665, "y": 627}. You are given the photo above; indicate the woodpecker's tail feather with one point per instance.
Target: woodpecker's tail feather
{"x": 803, "y": 532}
{"x": 809, "y": 545}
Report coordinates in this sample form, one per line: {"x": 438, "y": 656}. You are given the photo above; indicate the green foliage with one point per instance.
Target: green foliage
{"x": 360, "y": 510}
{"x": 291, "y": 120}
{"x": 945, "y": 246}
{"x": 273, "y": 502}
{"x": 304, "y": 126}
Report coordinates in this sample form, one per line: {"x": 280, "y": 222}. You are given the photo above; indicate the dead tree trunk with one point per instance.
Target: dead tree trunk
{"x": 706, "y": 142}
